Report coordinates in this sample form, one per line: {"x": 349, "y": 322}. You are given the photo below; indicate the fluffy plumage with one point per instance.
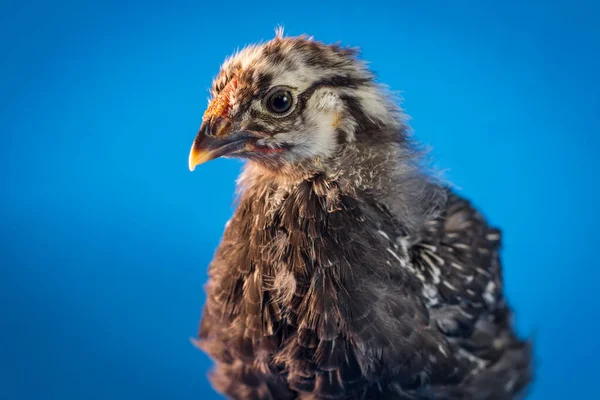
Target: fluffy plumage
{"x": 346, "y": 272}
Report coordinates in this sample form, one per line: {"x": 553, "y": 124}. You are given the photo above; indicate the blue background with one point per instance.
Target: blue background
{"x": 105, "y": 234}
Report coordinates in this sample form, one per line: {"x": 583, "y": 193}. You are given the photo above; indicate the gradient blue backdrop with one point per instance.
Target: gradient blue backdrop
{"x": 105, "y": 234}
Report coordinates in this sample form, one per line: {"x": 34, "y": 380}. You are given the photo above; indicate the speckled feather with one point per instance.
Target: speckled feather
{"x": 360, "y": 278}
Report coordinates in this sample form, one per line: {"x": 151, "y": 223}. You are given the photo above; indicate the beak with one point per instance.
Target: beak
{"x": 214, "y": 140}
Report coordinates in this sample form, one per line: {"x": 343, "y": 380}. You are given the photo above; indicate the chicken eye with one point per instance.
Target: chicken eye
{"x": 280, "y": 101}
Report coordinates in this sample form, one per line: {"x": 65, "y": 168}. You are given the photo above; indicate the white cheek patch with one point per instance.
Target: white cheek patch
{"x": 316, "y": 139}
{"x": 317, "y": 136}
{"x": 328, "y": 101}
{"x": 320, "y": 134}
{"x": 325, "y": 100}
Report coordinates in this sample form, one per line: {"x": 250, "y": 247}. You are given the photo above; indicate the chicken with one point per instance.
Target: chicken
{"x": 348, "y": 271}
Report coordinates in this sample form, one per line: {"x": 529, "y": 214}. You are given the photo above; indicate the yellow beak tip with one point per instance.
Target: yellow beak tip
{"x": 192, "y": 162}
{"x": 198, "y": 157}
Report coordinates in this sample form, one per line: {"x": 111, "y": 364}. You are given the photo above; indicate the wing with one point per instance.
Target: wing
{"x": 457, "y": 259}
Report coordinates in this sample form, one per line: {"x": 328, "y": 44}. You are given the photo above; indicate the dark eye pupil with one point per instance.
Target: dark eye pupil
{"x": 280, "y": 102}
